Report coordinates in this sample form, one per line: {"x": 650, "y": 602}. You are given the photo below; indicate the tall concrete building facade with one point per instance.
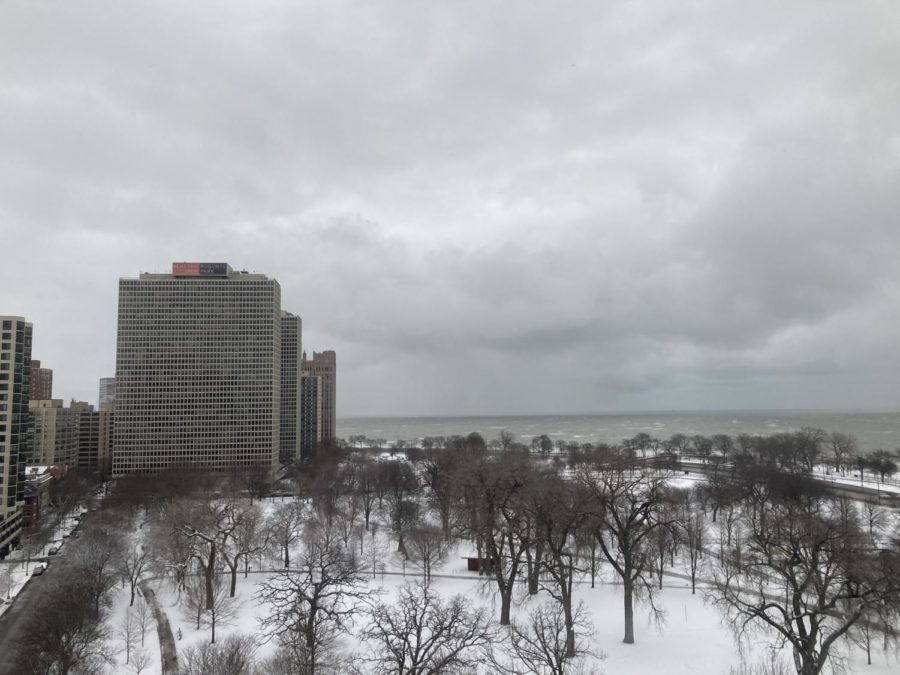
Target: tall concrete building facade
{"x": 310, "y": 415}
{"x": 67, "y": 435}
{"x": 54, "y": 433}
{"x": 107, "y": 395}
{"x": 15, "y": 386}
{"x": 41, "y": 382}
{"x": 198, "y": 370}
{"x": 291, "y": 340}
{"x": 324, "y": 366}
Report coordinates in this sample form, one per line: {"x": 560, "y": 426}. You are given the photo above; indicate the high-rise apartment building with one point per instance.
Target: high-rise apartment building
{"x": 324, "y": 365}
{"x": 291, "y": 338}
{"x": 15, "y": 384}
{"x": 198, "y": 370}
{"x": 54, "y": 433}
{"x": 107, "y": 396}
{"x": 104, "y": 442}
{"x": 310, "y": 415}
{"x": 41, "y": 382}
{"x": 65, "y": 435}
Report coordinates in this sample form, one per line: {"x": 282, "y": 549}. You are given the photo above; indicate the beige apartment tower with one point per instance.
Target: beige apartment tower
{"x": 54, "y": 433}
{"x": 72, "y": 435}
{"x": 41, "y": 382}
{"x": 198, "y": 370}
{"x": 15, "y": 385}
{"x": 324, "y": 366}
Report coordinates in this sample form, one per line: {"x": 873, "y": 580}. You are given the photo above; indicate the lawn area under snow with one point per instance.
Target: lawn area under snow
{"x": 692, "y": 638}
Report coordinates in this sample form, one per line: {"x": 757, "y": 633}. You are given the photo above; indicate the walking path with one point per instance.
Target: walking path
{"x": 168, "y": 652}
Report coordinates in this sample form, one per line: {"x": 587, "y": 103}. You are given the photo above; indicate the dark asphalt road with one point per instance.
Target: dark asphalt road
{"x": 15, "y": 617}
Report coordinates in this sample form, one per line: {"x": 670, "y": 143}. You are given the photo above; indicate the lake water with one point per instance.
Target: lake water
{"x": 873, "y": 430}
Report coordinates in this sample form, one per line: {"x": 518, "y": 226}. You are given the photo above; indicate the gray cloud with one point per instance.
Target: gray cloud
{"x": 483, "y": 207}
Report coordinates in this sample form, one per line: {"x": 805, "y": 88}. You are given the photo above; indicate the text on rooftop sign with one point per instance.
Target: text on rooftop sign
{"x": 198, "y": 269}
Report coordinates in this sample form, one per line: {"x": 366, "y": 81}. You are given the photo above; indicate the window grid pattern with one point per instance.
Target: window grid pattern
{"x": 198, "y": 373}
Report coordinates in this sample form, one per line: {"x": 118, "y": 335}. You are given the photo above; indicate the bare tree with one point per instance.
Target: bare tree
{"x": 286, "y": 527}
{"x": 663, "y": 541}
{"x": 63, "y": 636}
{"x": 560, "y": 509}
{"x": 374, "y": 551}
{"x": 402, "y": 485}
{"x": 587, "y": 542}
{"x": 246, "y": 536}
{"x": 194, "y": 598}
{"x": 34, "y": 543}
{"x": 206, "y": 526}
{"x": 428, "y": 547}
{"x": 628, "y": 503}
{"x": 310, "y": 606}
{"x": 808, "y": 576}
{"x": 843, "y": 448}
{"x": 493, "y": 515}
{"x": 233, "y": 655}
{"x": 365, "y": 478}
{"x": 171, "y": 553}
{"x": 141, "y": 661}
{"x": 92, "y": 558}
{"x": 6, "y": 581}
{"x": 224, "y": 607}
{"x": 67, "y": 493}
{"x": 809, "y": 442}
{"x": 876, "y": 517}
{"x": 540, "y": 646}
{"x": 130, "y": 562}
{"x": 692, "y": 531}
{"x": 127, "y": 631}
{"x": 441, "y": 477}
{"x": 346, "y": 517}
{"x": 144, "y": 617}
{"x": 423, "y": 635}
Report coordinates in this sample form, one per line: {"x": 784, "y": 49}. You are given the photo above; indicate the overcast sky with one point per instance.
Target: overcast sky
{"x": 484, "y": 207}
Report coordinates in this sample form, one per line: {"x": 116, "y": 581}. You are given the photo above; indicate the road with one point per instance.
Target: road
{"x": 17, "y": 615}
{"x": 842, "y": 489}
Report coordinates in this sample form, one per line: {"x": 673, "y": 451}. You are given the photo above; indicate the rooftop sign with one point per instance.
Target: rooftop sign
{"x": 199, "y": 269}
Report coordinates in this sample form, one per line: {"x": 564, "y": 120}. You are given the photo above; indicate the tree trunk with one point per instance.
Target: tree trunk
{"x": 505, "y": 605}
{"x": 534, "y": 570}
{"x": 629, "y": 607}
{"x": 210, "y": 571}
{"x": 311, "y": 641}
{"x": 570, "y": 629}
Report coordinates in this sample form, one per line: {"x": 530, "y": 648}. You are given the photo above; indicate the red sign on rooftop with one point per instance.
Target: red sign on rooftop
{"x": 186, "y": 269}
{"x": 199, "y": 269}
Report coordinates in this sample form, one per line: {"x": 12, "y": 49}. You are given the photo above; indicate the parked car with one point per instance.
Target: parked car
{"x": 53, "y": 551}
{"x": 37, "y": 571}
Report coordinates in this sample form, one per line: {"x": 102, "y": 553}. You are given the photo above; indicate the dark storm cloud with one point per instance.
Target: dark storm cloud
{"x": 482, "y": 206}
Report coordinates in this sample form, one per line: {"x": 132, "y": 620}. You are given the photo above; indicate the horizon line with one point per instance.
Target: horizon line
{"x": 610, "y": 413}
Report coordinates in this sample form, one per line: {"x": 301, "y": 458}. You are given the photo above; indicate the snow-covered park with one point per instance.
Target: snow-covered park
{"x": 691, "y": 638}
{"x": 508, "y": 567}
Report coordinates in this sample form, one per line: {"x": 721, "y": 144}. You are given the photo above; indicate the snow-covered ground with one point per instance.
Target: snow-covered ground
{"x": 692, "y": 638}
{"x": 150, "y": 649}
